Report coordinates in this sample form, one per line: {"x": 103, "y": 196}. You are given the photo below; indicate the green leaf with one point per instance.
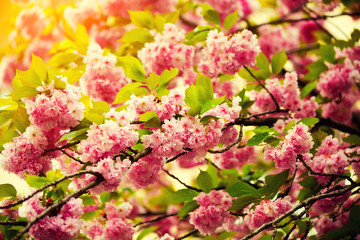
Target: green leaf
{"x": 246, "y": 75}
{"x": 159, "y": 23}
{"x": 204, "y": 181}
{"x": 132, "y": 68}
{"x": 152, "y": 81}
{"x": 309, "y": 182}
{"x": 7, "y": 190}
{"x": 273, "y": 183}
{"x": 226, "y": 235}
{"x": 81, "y": 39}
{"x": 309, "y": 121}
{"x": 187, "y": 208}
{"x": 125, "y": 92}
{"x": 36, "y": 181}
{"x": 289, "y": 126}
{"x": 21, "y": 119}
{"x": 194, "y": 110}
{"x": 278, "y": 62}
{"x": 167, "y": 75}
{"x": 147, "y": 116}
{"x": 265, "y": 129}
{"x": 137, "y": 35}
{"x": 231, "y": 19}
{"x": 59, "y": 83}
{"x": 205, "y": 89}
{"x": 206, "y": 119}
{"x": 146, "y": 231}
{"x": 73, "y": 134}
{"x": 172, "y": 17}
{"x": 262, "y": 62}
{"x": 213, "y": 172}
{"x": 63, "y": 59}
{"x": 90, "y": 215}
{"x": 243, "y": 201}
{"x": 198, "y": 34}
{"x": 153, "y": 123}
{"x": 143, "y": 19}
{"x": 209, "y": 14}
{"x": 38, "y": 66}
{"x": 315, "y": 69}
{"x": 352, "y": 139}
{"x": 191, "y": 96}
{"x": 257, "y": 139}
{"x": 183, "y": 195}
{"x": 327, "y": 53}
{"x": 211, "y": 104}
{"x": 241, "y": 188}
{"x": 307, "y": 89}
{"x": 22, "y": 92}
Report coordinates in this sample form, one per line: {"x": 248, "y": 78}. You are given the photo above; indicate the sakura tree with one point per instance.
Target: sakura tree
{"x": 189, "y": 119}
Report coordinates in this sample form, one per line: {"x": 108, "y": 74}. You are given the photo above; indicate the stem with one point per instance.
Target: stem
{"x": 264, "y": 87}
{"x": 59, "y": 204}
{"x": 156, "y": 219}
{"x": 305, "y": 203}
{"x": 187, "y": 235}
{"x": 177, "y": 179}
{"x": 13, "y": 223}
{"x": 73, "y": 158}
{"x": 231, "y": 145}
{"x": 49, "y": 185}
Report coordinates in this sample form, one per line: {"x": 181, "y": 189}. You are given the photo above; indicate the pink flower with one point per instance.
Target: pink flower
{"x": 118, "y": 229}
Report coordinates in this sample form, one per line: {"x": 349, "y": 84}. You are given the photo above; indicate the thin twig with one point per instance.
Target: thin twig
{"x": 177, "y": 156}
{"x": 49, "y": 185}
{"x": 323, "y": 174}
{"x": 264, "y": 87}
{"x": 305, "y": 203}
{"x": 156, "y": 219}
{"x": 63, "y": 147}
{"x": 177, "y": 179}
{"x": 59, "y": 204}
{"x": 72, "y": 157}
{"x": 231, "y": 145}
{"x": 13, "y": 223}
{"x": 187, "y": 235}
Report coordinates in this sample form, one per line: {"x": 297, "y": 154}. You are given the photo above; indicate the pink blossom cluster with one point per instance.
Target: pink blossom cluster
{"x": 85, "y": 12}
{"x": 265, "y": 212}
{"x": 287, "y": 95}
{"x": 31, "y": 22}
{"x": 54, "y": 107}
{"x": 297, "y": 141}
{"x": 102, "y": 79}
{"x": 24, "y": 154}
{"x": 212, "y": 211}
{"x": 145, "y": 171}
{"x": 167, "y": 51}
{"x": 116, "y": 226}
{"x": 274, "y": 39}
{"x": 105, "y": 140}
{"x": 228, "y": 55}
{"x": 234, "y": 158}
{"x": 329, "y": 159}
{"x": 111, "y": 171}
{"x": 327, "y": 205}
{"x": 64, "y": 226}
{"x": 166, "y": 108}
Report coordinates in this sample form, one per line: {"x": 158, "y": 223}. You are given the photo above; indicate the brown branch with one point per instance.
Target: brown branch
{"x": 49, "y": 185}
{"x": 281, "y": 21}
{"x": 264, "y": 87}
{"x": 13, "y": 223}
{"x": 63, "y": 147}
{"x": 177, "y": 179}
{"x": 59, "y": 204}
{"x": 179, "y": 155}
{"x": 156, "y": 219}
{"x": 231, "y": 145}
{"x": 73, "y": 158}
{"x": 323, "y": 174}
{"x": 187, "y": 235}
{"x": 305, "y": 203}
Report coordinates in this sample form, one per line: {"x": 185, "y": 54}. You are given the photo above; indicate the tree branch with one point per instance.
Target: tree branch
{"x": 59, "y": 204}
{"x": 156, "y": 219}
{"x": 49, "y": 185}
{"x": 177, "y": 179}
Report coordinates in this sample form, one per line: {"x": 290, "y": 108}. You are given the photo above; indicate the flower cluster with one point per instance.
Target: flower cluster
{"x": 167, "y": 51}
{"x": 102, "y": 79}
{"x": 212, "y": 211}
{"x": 228, "y": 55}
{"x": 297, "y": 141}
{"x": 105, "y": 140}
{"x": 65, "y": 225}
{"x": 54, "y": 107}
